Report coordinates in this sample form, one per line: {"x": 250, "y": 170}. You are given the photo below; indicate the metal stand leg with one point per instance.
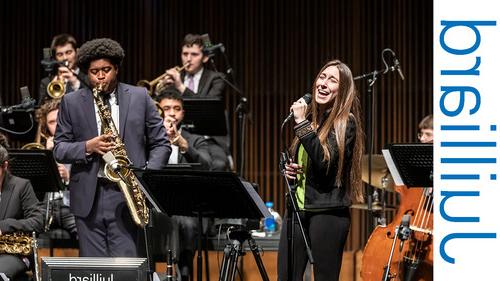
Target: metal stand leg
{"x": 256, "y": 254}
{"x": 230, "y": 261}
{"x": 233, "y": 251}
{"x": 402, "y": 233}
{"x": 34, "y": 245}
{"x": 387, "y": 269}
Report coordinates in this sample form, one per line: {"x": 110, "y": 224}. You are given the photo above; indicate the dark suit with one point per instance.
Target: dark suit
{"x": 211, "y": 85}
{"x": 141, "y": 129}
{"x": 198, "y": 150}
{"x": 20, "y": 211}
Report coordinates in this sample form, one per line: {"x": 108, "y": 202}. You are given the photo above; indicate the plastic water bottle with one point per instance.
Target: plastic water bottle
{"x": 272, "y": 224}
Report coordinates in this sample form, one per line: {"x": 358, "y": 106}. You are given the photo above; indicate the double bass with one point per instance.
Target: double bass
{"x": 412, "y": 259}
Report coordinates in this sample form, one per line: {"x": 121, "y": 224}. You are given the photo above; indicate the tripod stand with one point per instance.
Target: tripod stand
{"x": 233, "y": 251}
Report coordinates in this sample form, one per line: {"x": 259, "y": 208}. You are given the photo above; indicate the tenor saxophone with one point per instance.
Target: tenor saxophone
{"x": 117, "y": 167}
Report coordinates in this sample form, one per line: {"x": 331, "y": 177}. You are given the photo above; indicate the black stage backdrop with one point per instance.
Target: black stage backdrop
{"x": 275, "y": 47}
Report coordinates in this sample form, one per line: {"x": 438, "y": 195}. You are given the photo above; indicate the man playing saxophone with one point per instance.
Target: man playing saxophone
{"x": 20, "y": 212}
{"x": 105, "y": 226}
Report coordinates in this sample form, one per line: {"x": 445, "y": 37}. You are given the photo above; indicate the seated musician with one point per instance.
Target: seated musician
{"x": 186, "y": 148}
{"x": 62, "y": 223}
{"x": 20, "y": 211}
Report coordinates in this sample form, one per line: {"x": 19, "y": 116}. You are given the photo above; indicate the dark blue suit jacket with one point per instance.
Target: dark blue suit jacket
{"x": 141, "y": 129}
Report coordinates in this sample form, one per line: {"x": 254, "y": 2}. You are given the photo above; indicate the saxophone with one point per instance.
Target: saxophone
{"x": 16, "y": 243}
{"x": 117, "y": 164}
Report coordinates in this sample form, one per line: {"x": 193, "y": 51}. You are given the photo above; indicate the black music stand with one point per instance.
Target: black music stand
{"x": 39, "y": 166}
{"x": 205, "y": 116}
{"x": 209, "y": 194}
{"x": 410, "y": 164}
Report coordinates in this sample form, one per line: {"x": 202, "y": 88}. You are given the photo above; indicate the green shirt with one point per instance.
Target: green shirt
{"x": 301, "y": 178}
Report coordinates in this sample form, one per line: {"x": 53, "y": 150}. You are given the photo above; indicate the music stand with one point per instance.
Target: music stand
{"x": 210, "y": 194}
{"x": 38, "y": 166}
{"x": 205, "y": 116}
{"x": 410, "y": 164}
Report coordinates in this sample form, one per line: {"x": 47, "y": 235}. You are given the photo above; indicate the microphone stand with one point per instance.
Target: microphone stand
{"x": 371, "y": 78}
{"x": 241, "y": 110}
{"x": 292, "y": 213}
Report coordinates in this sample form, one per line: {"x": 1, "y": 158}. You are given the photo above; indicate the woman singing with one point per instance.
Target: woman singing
{"x": 327, "y": 171}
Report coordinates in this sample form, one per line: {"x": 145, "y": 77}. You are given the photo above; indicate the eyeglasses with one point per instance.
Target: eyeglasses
{"x": 427, "y": 135}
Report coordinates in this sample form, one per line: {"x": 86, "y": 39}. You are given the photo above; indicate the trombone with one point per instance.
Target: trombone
{"x": 155, "y": 85}
{"x": 37, "y": 144}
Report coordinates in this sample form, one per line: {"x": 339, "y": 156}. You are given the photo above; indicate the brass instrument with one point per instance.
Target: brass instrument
{"x": 37, "y": 144}
{"x": 16, "y": 243}
{"x": 56, "y": 89}
{"x": 155, "y": 85}
{"x": 117, "y": 165}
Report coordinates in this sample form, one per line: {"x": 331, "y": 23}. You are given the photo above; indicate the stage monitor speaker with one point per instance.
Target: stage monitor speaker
{"x": 93, "y": 269}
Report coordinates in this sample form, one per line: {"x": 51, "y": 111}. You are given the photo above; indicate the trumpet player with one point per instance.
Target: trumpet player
{"x": 195, "y": 80}
{"x": 63, "y": 49}
{"x": 104, "y": 224}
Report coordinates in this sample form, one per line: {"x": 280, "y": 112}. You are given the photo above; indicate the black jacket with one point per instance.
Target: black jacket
{"x": 20, "y": 210}
{"x": 211, "y": 86}
{"x": 321, "y": 191}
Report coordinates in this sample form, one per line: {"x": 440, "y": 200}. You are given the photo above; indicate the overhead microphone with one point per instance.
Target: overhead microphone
{"x": 397, "y": 65}
{"x": 307, "y": 99}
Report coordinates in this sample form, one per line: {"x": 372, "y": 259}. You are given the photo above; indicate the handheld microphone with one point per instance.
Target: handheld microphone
{"x": 307, "y": 98}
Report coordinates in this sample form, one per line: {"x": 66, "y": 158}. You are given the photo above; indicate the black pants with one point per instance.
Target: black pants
{"x": 327, "y": 233}
{"x": 108, "y": 231}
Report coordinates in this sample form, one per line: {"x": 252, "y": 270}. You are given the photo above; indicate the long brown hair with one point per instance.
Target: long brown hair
{"x": 345, "y": 105}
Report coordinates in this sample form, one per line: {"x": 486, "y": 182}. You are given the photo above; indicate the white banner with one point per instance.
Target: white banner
{"x": 466, "y": 149}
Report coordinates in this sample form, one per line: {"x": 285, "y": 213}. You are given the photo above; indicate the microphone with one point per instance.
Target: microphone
{"x": 404, "y": 230}
{"x": 27, "y": 102}
{"x": 307, "y": 98}
{"x": 208, "y": 48}
{"x": 205, "y": 38}
{"x": 397, "y": 66}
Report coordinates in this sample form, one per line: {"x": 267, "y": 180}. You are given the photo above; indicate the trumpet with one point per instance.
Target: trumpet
{"x": 155, "y": 85}
{"x": 56, "y": 89}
